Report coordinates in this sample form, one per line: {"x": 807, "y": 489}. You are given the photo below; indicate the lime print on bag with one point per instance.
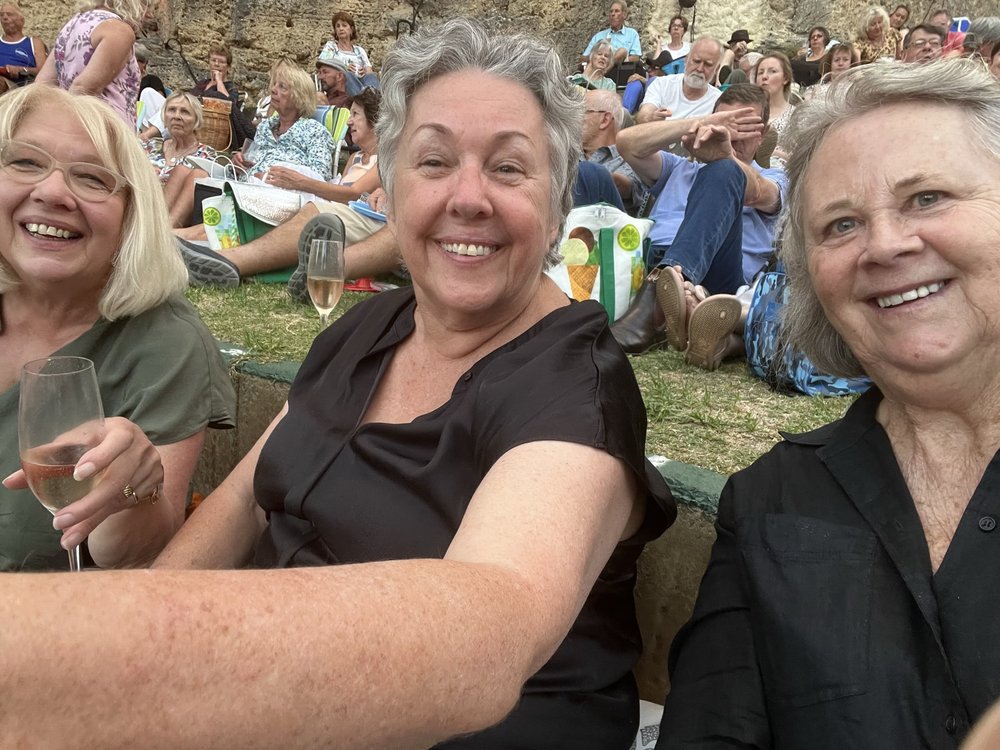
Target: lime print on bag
{"x": 602, "y": 249}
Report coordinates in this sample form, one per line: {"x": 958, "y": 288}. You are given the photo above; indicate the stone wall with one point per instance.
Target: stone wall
{"x": 260, "y": 31}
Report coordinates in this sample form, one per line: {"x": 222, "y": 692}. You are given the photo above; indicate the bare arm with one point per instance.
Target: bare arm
{"x": 641, "y": 144}
{"x": 112, "y": 41}
{"x": 39, "y": 51}
{"x": 650, "y": 112}
{"x": 222, "y": 532}
{"x": 48, "y": 72}
{"x": 292, "y": 180}
{"x": 135, "y": 536}
{"x": 254, "y": 659}
{"x": 712, "y": 142}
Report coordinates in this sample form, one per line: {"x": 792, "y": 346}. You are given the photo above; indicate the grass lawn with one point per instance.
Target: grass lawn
{"x": 719, "y": 420}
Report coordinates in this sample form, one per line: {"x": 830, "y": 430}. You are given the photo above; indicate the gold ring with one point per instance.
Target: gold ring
{"x": 127, "y": 491}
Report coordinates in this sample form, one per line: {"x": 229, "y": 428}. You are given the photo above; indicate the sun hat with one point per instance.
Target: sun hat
{"x": 740, "y": 35}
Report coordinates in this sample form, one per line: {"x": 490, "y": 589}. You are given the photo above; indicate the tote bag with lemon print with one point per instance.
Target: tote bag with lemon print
{"x": 602, "y": 249}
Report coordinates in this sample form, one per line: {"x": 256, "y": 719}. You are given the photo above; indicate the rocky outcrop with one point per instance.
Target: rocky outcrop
{"x": 261, "y": 31}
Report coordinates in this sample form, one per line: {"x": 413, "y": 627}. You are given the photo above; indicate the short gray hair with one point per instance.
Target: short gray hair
{"x": 985, "y": 30}
{"x": 965, "y": 85}
{"x": 461, "y": 44}
{"x": 147, "y": 268}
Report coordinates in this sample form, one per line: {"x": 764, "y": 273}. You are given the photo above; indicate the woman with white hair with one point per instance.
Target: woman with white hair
{"x": 592, "y": 76}
{"x": 171, "y": 158}
{"x": 94, "y": 54}
{"x": 844, "y": 604}
{"x": 88, "y": 268}
{"x": 458, "y": 480}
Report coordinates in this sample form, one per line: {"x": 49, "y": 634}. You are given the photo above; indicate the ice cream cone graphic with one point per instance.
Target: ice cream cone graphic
{"x": 581, "y": 281}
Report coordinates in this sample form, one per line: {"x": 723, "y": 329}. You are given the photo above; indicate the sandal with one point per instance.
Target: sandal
{"x": 670, "y": 296}
{"x": 708, "y": 332}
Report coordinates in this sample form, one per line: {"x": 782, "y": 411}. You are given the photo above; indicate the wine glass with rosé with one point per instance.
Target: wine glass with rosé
{"x": 60, "y": 417}
{"x": 325, "y": 276}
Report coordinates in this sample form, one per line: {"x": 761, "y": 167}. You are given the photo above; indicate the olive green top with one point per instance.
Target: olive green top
{"x": 161, "y": 369}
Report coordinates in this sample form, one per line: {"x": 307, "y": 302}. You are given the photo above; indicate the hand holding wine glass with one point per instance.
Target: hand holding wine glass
{"x": 60, "y": 418}
{"x": 325, "y": 276}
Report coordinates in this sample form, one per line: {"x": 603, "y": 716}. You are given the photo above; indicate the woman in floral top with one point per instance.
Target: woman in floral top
{"x": 182, "y": 114}
{"x": 94, "y": 55}
{"x": 291, "y": 136}
{"x": 876, "y": 38}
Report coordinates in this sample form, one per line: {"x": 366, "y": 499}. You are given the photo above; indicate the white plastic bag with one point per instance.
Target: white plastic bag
{"x": 219, "y": 215}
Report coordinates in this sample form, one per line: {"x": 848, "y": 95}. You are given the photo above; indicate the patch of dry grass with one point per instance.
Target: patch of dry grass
{"x": 719, "y": 420}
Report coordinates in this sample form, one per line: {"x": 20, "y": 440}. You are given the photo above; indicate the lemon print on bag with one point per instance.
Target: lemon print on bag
{"x": 629, "y": 238}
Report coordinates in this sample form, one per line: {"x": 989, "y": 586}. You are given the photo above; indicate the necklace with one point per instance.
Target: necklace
{"x": 179, "y": 156}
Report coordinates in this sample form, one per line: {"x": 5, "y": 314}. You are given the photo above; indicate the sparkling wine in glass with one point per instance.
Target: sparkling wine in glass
{"x": 59, "y": 418}
{"x": 325, "y": 276}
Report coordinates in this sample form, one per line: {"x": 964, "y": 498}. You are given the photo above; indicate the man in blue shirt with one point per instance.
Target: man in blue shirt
{"x": 625, "y": 45}
{"x": 602, "y": 120}
{"x": 716, "y": 217}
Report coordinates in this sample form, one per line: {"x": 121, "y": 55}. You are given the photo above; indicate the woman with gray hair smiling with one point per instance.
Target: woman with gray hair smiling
{"x": 844, "y": 605}
{"x": 458, "y": 478}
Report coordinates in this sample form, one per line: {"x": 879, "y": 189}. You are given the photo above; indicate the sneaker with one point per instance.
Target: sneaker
{"x": 320, "y": 227}
{"x": 207, "y": 267}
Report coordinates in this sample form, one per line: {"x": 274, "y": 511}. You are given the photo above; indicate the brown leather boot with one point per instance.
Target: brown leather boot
{"x": 641, "y": 327}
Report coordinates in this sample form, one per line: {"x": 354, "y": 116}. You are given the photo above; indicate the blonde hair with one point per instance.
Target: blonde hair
{"x": 867, "y": 18}
{"x": 130, "y": 11}
{"x": 300, "y": 85}
{"x": 147, "y": 269}
{"x": 192, "y": 102}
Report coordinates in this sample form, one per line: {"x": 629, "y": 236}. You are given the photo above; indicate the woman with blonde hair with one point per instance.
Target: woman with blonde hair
{"x": 94, "y": 54}
{"x": 877, "y": 39}
{"x": 87, "y": 268}
{"x": 290, "y": 136}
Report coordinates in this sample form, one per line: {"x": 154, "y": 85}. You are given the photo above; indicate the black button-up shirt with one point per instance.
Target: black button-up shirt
{"x": 819, "y": 623}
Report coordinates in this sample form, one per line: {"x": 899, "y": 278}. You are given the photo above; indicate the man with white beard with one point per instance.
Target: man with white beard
{"x": 686, "y": 94}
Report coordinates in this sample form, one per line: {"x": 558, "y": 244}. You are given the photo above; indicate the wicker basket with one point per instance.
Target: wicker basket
{"x": 216, "y": 130}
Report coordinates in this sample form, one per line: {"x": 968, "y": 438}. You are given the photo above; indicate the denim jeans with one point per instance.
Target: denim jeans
{"x": 709, "y": 242}
{"x": 353, "y": 84}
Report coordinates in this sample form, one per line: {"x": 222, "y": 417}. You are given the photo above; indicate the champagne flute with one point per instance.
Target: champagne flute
{"x": 59, "y": 418}
{"x": 325, "y": 276}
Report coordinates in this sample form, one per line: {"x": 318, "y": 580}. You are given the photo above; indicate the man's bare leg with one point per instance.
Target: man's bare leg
{"x": 274, "y": 250}
{"x": 373, "y": 256}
